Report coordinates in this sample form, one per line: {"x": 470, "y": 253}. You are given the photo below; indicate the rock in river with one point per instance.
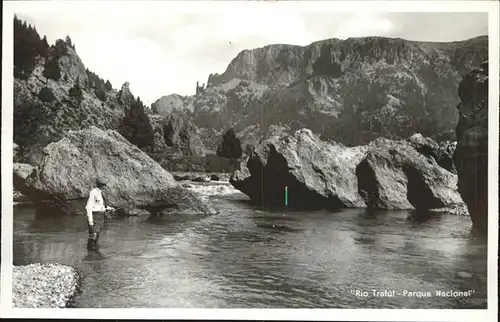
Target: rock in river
{"x": 384, "y": 174}
{"x": 70, "y": 166}
{"x": 393, "y": 175}
{"x": 316, "y": 173}
{"x": 471, "y": 154}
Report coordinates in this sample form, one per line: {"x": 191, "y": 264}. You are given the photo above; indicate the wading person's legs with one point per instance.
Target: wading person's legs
{"x": 95, "y": 229}
{"x": 91, "y": 239}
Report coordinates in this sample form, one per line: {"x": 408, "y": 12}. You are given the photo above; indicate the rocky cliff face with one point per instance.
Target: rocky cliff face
{"x": 352, "y": 91}
{"x": 471, "y": 155}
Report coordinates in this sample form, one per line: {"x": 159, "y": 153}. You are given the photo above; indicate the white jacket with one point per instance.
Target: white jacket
{"x": 95, "y": 203}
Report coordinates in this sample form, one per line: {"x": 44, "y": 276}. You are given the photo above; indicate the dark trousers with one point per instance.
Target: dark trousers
{"x": 95, "y": 229}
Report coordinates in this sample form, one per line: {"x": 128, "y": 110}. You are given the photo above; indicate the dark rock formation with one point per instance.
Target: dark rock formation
{"x": 230, "y": 147}
{"x": 176, "y": 135}
{"x": 182, "y": 135}
{"x": 471, "y": 154}
{"x": 62, "y": 180}
{"x": 18, "y": 197}
{"x": 384, "y": 174}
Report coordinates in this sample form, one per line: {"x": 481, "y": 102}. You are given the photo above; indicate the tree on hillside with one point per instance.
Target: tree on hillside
{"x": 52, "y": 69}
{"x": 136, "y": 127}
{"x": 230, "y": 146}
{"x": 76, "y": 91}
{"x": 44, "y": 47}
{"x": 60, "y": 48}
{"x": 108, "y": 85}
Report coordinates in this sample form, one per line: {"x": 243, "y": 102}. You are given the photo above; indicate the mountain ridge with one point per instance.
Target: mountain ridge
{"x": 333, "y": 84}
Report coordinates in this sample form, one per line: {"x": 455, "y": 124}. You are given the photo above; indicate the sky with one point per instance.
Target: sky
{"x": 162, "y": 50}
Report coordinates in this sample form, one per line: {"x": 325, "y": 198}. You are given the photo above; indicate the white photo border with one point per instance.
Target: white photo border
{"x": 490, "y": 314}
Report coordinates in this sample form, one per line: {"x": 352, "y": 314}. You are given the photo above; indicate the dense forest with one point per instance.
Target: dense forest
{"x": 30, "y": 49}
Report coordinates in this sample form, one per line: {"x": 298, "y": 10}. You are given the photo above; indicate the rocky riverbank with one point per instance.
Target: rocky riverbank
{"x": 44, "y": 286}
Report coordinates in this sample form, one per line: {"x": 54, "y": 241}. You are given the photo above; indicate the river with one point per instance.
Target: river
{"x": 247, "y": 258}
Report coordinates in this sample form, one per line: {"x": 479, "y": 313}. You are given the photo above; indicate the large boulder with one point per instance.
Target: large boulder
{"x": 442, "y": 152}
{"x": 394, "y": 175}
{"x": 62, "y": 181}
{"x": 471, "y": 154}
{"x": 316, "y": 174}
{"x": 384, "y": 174}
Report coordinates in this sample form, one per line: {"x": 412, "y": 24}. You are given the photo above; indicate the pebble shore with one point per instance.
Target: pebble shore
{"x": 44, "y": 286}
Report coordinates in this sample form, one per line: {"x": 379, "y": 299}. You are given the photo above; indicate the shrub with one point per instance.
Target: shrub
{"x": 46, "y": 95}
{"x": 100, "y": 94}
{"x": 76, "y": 92}
{"x": 52, "y": 69}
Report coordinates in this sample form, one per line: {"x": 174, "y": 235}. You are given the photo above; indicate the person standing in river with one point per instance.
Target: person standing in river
{"x": 96, "y": 208}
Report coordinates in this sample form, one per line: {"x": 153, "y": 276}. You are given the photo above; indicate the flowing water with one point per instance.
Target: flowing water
{"x": 247, "y": 258}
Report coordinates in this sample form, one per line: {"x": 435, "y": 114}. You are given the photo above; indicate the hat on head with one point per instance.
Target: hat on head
{"x": 102, "y": 181}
